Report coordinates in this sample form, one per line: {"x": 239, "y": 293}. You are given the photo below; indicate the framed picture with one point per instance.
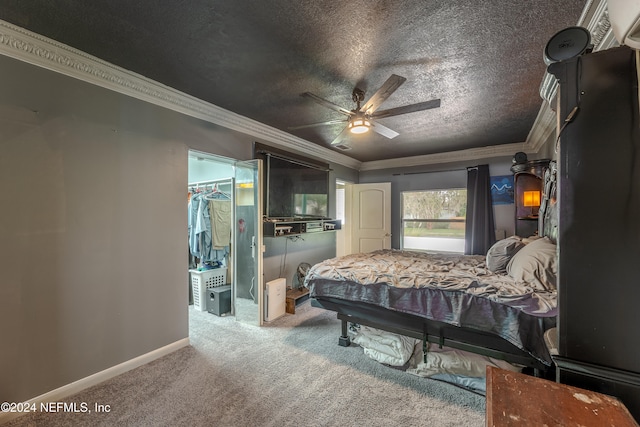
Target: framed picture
{"x": 502, "y": 190}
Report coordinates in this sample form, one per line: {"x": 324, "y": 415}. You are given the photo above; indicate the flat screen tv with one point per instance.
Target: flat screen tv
{"x": 295, "y": 190}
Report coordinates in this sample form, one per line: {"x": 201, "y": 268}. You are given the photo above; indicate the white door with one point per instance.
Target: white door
{"x": 370, "y": 217}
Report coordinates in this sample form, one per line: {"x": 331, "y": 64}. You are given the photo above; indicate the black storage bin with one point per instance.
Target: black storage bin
{"x": 219, "y": 300}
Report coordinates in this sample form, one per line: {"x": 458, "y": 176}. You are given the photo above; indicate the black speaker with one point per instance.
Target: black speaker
{"x": 219, "y": 300}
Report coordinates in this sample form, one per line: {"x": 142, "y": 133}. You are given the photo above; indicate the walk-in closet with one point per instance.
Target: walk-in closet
{"x": 221, "y": 279}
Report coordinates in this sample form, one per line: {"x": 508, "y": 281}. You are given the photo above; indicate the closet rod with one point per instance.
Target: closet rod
{"x": 212, "y": 181}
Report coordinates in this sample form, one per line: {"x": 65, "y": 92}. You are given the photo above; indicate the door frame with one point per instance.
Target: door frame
{"x": 343, "y": 236}
{"x": 258, "y": 246}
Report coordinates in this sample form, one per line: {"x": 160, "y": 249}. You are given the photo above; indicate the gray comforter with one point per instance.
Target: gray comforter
{"x": 451, "y": 288}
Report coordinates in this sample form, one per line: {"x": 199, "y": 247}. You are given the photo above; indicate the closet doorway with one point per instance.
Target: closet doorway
{"x": 225, "y": 233}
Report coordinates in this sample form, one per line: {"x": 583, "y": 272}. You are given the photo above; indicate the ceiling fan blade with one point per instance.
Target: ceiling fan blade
{"x": 420, "y": 106}
{"x": 383, "y": 93}
{"x": 341, "y": 136}
{"x": 310, "y": 125}
{"x": 384, "y": 131}
{"x": 327, "y": 104}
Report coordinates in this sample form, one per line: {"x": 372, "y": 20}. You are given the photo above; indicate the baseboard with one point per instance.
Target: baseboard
{"x": 84, "y": 383}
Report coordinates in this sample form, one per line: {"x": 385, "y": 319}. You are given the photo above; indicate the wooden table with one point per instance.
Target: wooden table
{"x": 515, "y": 399}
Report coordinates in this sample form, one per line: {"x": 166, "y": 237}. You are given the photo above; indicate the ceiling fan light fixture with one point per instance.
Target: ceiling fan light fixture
{"x": 364, "y": 118}
{"x": 359, "y": 125}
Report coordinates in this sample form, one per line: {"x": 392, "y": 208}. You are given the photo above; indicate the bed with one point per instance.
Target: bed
{"x": 499, "y": 305}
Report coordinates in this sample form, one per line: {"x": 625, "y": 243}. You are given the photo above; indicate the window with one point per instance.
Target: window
{"x": 434, "y": 220}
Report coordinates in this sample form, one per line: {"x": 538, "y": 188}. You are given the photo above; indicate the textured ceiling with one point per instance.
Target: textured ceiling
{"x": 255, "y": 58}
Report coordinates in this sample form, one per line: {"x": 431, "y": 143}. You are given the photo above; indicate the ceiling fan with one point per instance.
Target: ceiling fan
{"x": 363, "y": 118}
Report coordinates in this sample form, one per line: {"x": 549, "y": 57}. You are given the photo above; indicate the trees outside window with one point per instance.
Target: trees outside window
{"x": 434, "y": 220}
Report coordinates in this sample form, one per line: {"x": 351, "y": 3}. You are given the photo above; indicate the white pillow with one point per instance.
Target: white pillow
{"x": 456, "y": 362}
{"x": 499, "y": 255}
{"x": 536, "y": 264}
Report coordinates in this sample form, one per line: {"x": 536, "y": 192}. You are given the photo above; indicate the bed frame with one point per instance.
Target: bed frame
{"x": 429, "y": 331}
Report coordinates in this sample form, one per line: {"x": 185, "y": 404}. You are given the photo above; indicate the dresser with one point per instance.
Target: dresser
{"x": 515, "y": 399}
{"x": 599, "y": 224}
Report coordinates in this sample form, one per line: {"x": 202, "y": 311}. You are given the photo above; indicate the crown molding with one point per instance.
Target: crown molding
{"x": 26, "y": 46}
{"x": 544, "y": 127}
{"x": 470, "y": 154}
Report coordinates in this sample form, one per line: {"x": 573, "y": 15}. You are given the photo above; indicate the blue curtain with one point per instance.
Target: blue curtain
{"x": 480, "y": 232}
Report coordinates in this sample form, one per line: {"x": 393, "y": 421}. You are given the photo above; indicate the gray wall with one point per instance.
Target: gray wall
{"x": 283, "y": 254}
{"x": 93, "y": 250}
{"x": 433, "y": 178}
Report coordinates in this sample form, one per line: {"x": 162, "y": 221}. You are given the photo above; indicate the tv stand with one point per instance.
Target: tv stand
{"x": 283, "y": 227}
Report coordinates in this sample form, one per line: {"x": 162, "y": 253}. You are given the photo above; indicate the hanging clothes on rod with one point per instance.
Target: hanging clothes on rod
{"x": 220, "y": 215}
{"x": 217, "y": 194}
{"x": 209, "y": 211}
{"x": 220, "y": 212}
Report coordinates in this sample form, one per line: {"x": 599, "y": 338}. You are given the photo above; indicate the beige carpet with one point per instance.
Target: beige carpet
{"x": 288, "y": 373}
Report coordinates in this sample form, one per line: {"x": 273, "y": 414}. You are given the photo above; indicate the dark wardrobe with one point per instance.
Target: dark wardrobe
{"x": 599, "y": 224}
